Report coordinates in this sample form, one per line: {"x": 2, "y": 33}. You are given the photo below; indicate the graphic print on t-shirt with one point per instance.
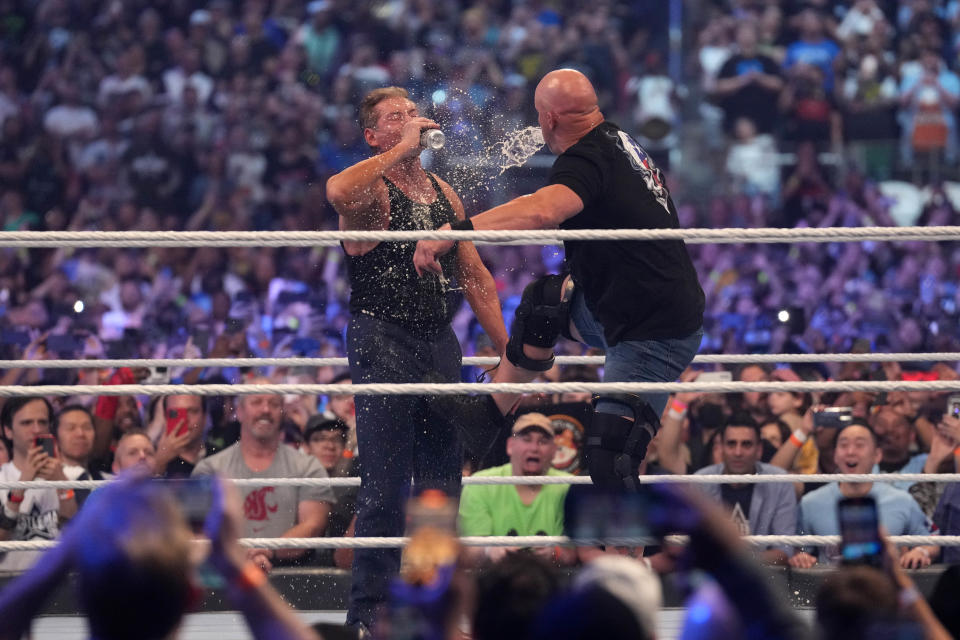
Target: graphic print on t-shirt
{"x": 740, "y": 520}
{"x": 643, "y": 164}
{"x": 255, "y": 506}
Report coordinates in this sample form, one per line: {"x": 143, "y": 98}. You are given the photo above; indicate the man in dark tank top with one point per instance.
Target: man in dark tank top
{"x": 400, "y": 330}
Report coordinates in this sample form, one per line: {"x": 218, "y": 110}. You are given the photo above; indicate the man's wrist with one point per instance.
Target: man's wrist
{"x": 462, "y": 225}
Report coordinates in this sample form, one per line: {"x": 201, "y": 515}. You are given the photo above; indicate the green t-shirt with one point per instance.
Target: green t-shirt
{"x": 496, "y": 510}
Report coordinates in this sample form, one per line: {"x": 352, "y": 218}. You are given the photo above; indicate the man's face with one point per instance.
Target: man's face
{"x": 392, "y": 114}
{"x": 531, "y": 452}
{"x": 895, "y": 434}
{"x": 856, "y": 452}
{"x": 134, "y": 450}
{"x": 194, "y": 408}
{"x": 327, "y": 447}
{"x": 260, "y": 416}
{"x": 741, "y": 450}
{"x": 128, "y": 414}
{"x": 31, "y": 421}
{"x": 75, "y": 435}
{"x": 753, "y": 399}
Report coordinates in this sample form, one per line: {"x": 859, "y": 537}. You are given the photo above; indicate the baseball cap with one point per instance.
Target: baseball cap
{"x": 320, "y": 422}
{"x": 533, "y": 420}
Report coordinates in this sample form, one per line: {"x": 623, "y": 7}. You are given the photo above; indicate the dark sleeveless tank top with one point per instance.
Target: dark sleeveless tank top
{"x": 383, "y": 281}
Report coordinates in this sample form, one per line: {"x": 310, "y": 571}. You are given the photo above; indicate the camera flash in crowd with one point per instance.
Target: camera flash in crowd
{"x": 78, "y": 306}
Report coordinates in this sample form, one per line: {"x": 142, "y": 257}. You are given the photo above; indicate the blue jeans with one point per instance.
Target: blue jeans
{"x": 635, "y": 360}
{"x": 399, "y": 439}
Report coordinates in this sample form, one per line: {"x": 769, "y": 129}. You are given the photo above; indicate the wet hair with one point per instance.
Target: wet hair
{"x": 368, "y": 114}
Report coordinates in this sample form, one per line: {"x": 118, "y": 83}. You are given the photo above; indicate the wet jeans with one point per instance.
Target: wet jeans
{"x": 399, "y": 439}
{"x": 635, "y": 360}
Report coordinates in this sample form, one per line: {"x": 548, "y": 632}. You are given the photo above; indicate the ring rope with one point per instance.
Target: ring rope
{"x": 517, "y": 541}
{"x": 464, "y": 388}
{"x": 762, "y": 358}
{"x": 354, "y": 481}
{"x": 130, "y": 239}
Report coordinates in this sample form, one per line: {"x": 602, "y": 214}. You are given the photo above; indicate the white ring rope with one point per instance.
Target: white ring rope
{"x": 517, "y": 541}
{"x": 354, "y": 481}
{"x": 760, "y": 358}
{"x": 464, "y": 388}
{"x": 129, "y": 239}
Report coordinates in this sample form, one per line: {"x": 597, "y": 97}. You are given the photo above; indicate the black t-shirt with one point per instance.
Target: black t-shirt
{"x": 753, "y": 101}
{"x": 178, "y": 468}
{"x": 636, "y": 290}
{"x": 737, "y": 498}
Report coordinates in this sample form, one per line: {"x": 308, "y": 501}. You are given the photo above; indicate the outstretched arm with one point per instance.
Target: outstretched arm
{"x": 546, "y": 208}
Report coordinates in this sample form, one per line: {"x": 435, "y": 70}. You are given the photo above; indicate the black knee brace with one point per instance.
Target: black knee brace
{"x": 615, "y": 446}
{"x": 542, "y": 316}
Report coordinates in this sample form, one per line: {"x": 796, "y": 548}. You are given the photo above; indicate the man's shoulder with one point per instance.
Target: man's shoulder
{"x": 890, "y": 494}
{"x": 709, "y": 470}
{"x": 766, "y": 469}
{"x": 299, "y": 463}
{"x": 502, "y": 470}
{"x": 826, "y": 494}
{"x": 220, "y": 460}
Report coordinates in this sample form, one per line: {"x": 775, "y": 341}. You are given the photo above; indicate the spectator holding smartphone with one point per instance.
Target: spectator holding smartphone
{"x": 31, "y": 514}
{"x": 131, "y": 551}
{"x": 180, "y": 445}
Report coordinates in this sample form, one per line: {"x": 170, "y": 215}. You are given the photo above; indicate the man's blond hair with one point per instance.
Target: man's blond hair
{"x": 368, "y": 116}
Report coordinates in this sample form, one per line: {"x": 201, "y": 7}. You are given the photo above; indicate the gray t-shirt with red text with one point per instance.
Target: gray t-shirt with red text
{"x": 269, "y": 512}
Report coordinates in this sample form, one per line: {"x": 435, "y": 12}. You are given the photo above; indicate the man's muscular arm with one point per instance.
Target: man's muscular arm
{"x": 478, "y": 285}
{"x": 546, "y": 208}
{"x": 355, "y": 189}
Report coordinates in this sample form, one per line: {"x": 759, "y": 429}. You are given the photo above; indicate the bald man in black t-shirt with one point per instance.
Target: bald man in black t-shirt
{"x": 639, "y": 301}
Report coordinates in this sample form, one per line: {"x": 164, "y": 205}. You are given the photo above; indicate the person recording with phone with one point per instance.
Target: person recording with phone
{"x": 870, "y": 595}
{"x": 180, "y": 445}
{"x": 31, "y": 514}
{"x": 857, "y": 451}
{"x": 133, "y": 556}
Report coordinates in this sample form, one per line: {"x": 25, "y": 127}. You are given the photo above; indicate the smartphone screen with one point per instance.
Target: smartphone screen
{"x": 860, "y": 531}
{"x": 598, "y": 514}
{"x": 177, "y": 419}
{"x": 953, "y": 406}
{"x": 46, "y": 443}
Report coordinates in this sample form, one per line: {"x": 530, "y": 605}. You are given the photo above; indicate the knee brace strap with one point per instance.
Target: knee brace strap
{"x": 616, "y": 445}
{"x": 541, "y": 317}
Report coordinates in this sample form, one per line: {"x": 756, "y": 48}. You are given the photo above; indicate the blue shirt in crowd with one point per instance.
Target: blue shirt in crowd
{"x": 897, "y": 510}
{"x": 818, "y": 54}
